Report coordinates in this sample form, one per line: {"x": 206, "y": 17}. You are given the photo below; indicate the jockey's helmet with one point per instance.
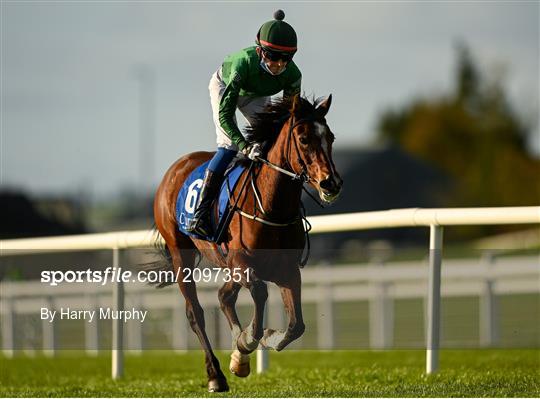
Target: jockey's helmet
{"x": 277, "y": 36}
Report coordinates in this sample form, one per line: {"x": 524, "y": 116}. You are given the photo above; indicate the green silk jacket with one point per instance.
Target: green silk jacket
{"x": 244, "y": 76}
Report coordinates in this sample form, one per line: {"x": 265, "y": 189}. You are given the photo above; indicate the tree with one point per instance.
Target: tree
{"x": 473, "y": 135}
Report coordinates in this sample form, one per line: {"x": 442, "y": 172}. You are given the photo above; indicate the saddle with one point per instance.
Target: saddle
{"x": 188, "y": 195}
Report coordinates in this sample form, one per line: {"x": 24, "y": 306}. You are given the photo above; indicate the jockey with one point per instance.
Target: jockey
{"x": 246, "y": 80}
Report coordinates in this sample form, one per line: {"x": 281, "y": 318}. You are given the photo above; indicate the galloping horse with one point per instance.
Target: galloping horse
{"x": 265, "y": 237}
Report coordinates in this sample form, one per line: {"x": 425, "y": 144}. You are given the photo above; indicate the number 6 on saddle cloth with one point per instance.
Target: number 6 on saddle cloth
{"x": 189, "y": 193}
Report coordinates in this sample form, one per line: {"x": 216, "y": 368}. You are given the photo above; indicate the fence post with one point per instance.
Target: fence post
{"x": 434, "y": 298}
{"x": 381, "y": 311}
{"x": 8, "y": 327}
{"x": 489, "y": 334}
{"x": 117, "y": 325}
{"x": 325, "y": 311}
{"x": 135, "y": 328}
{"x": 91, "y": 330}
{"x": 381, "y": 317}
{"x": 49, "y": 332}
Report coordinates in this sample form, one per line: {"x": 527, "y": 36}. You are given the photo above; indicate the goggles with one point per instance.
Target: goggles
{"x": 276, "y": 56}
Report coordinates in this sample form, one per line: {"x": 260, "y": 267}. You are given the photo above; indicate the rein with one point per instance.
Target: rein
{"x": 304, "y": 178}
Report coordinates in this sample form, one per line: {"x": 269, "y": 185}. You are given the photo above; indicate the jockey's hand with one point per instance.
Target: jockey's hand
{"x": 252, "y": 151}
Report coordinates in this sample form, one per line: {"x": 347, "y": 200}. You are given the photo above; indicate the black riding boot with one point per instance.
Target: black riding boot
{"x": 200, "y": 224}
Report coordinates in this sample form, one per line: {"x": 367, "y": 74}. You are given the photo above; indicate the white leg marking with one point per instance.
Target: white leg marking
{"x": 273, "y": 340}
{"x": 235, "y": 331}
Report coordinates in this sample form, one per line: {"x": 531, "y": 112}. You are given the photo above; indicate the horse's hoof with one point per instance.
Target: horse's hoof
{"x": 218, "y": 385}
{"x": 239, "y": 365}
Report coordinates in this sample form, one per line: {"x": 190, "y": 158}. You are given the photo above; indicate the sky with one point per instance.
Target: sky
{"x": 70, "y": 92}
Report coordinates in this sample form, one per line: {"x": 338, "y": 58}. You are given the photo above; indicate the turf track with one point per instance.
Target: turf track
{"x": 464, "y": 373}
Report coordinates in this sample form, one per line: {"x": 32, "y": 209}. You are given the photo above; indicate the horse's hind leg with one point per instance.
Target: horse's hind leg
{"x": 182, "y": 260}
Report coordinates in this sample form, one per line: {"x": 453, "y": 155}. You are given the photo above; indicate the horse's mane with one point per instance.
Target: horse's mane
{"x": 267, "y": 124}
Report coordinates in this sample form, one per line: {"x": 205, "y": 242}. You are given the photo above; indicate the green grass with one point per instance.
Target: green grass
{"x": 464, "y": 373}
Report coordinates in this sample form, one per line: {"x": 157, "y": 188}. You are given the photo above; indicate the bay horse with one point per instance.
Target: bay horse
{"x": 265, "y": 238}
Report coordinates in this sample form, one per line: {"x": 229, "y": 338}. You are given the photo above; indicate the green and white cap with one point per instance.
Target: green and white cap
{"x": 277, "y": 35}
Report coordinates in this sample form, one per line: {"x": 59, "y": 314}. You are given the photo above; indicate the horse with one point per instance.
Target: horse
{"x": 265, "y": 238}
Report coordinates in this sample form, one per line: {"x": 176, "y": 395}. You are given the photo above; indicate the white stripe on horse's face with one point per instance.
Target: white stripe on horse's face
{"x": 320, "y": 130}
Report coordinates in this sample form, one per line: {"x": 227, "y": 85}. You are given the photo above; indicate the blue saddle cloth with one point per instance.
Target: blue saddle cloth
{"x": 188, "y": 195}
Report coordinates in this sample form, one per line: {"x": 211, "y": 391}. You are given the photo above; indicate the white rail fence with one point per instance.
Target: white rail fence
{"x": 324, "y": 287}
{"x": 434, "y": 218}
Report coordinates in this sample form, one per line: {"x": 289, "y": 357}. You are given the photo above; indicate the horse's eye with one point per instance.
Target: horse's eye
{"x": 303, "y": 140}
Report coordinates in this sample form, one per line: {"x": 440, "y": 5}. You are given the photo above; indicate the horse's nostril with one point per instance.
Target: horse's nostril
{"x": 326, "y": 184}
{"x": 331, "y": 185}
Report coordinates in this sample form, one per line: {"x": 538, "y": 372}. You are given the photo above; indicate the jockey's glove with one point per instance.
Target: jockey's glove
{"x": 252, "y": 151}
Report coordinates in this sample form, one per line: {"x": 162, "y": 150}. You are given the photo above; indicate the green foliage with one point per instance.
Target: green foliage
{"x": 399, "y": 373}
{"x": 474, "y": 136}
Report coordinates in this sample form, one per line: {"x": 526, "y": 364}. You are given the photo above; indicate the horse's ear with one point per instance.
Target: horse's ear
{"x": 323, "y": 106}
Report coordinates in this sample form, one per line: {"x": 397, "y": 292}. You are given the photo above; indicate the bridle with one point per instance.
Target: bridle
{"x": 303, "y": 176}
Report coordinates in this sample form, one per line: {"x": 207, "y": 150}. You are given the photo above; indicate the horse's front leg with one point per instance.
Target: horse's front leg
{"x": 291, "y": 295}
{"x": 228, "y": 294}
{"x": 248, "y": 340}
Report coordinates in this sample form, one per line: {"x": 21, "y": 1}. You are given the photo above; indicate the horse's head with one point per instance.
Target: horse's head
{"x": 310, "y": 146}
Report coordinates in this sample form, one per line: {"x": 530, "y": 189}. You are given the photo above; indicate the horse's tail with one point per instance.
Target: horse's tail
{"x": 163, "y": 263}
